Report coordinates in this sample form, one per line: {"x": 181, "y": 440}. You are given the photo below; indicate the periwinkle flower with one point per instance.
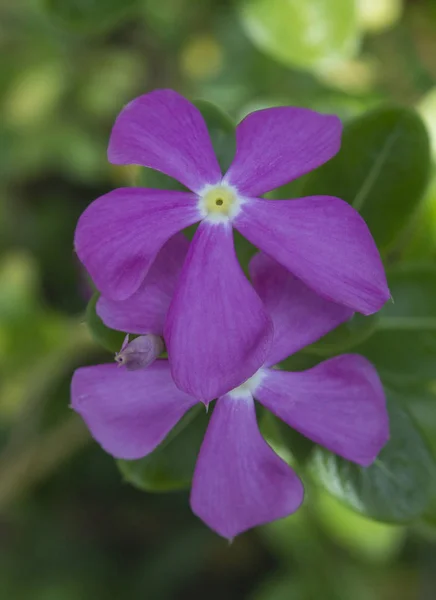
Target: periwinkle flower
{"x": 217, "y": 331}
{"x": 239, "y": 481}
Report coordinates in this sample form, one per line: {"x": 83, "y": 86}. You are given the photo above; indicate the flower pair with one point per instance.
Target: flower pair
{"x": 217, "y": 330}
{"x": 224, "y": 336}
{"x": 239, "y": 482}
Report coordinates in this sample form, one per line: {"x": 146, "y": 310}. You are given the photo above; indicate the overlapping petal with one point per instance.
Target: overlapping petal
{"x": 146, "y": 309}
{"x": 164, "y": 131}
{"x": 324, "y": 242}
{"x": 128, "y": 412}
{"x": 239, "y": 481}
{"x": 300, "y": 316}
{"x": 119, "y": 235}
{"x": 276, "y": 145}
{"x": 339, "y": 404}
{"x": 217, "y": 331}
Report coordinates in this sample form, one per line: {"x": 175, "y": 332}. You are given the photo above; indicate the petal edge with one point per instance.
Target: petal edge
{"x": 164, "y": 131}
{"x": 239, "y": 482}
{"x": 128, "y": 412}
{"x": 119, "y": 235}
{"x": 265, "y": 159}
{"x": 339, "y": 404}
{"x": 324, "y": 242}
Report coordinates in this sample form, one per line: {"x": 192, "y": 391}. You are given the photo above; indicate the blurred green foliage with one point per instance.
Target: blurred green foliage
{"x": 70, "y": 529}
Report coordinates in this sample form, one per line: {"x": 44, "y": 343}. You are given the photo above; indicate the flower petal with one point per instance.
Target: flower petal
{"x": 146, "y": 309}
{"x": 300, "y": 316}
{"x": 324, "y": 242}
{"x": 339, "y": 404}
{"x": 118, "y": 235}
{"x": 128, "y": 412}
{"x": 276, "y": 145}
{"x": 217, "y": 331}
{"x": 164, "y": 131}
{"x": 239, "y": 481}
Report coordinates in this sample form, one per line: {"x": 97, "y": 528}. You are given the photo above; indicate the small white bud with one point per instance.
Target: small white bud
{"x": 140, "y": 352}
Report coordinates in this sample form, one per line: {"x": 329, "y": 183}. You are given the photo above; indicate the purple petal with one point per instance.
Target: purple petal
{"x": 118, "y": 236}
{"x": 128, "y": 412}
{"x": 276, "y": 145}
{"x": 239, "y": 481}
{"x": 164, "y": 131}
{"x": 339, "y": 404}
{"x": 217, "y": 331}
{"x": 300, "y": 316}
{"x": 324, "y": 242}
{"x": 146, "y": 309}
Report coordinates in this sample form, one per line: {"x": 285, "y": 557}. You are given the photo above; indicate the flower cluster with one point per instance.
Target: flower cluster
{"x": 224, "y": 335}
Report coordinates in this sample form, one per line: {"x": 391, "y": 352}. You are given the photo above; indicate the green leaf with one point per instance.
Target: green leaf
{"x": 222, "y": 132}
{"x": 299, "y": 446}
{"x": 403, "y": 348}
{"x": 150, "y": 178}
{"x": 279, "y": 587}
{"x": 244, "y": 250}
{"x": 171, "y": 465}
{"x": 368, "y": 538}
{"x": 402, "y": 357}
{"x": 108, "y": 338}
{"x": 346, "y": 336}
{"x": 287, "y": 442}
{"x": 421, "y": 403}
{"x": 397, "y": 487}
{"x": 413, "y": 289}
{"x": 305, "y": 34}
{"x": 419, "y": 240}
{"x": 300, "y": 361}
{"x": 382, "y": 169}
{"x": 89, "y": 15}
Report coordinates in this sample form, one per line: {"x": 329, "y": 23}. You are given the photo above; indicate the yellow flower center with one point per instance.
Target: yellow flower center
{"x": 219, "y": 200}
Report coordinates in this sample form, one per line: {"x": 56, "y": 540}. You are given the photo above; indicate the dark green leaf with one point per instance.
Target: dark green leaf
{"x": 244, "y": 250}
{"x": 108, "y": 338}
{"x": 404, "y": 346}
{"x": 171, "y": 465}
{"x": 89, "y": 15}
{"x": 413, "y": 289}
{"x": 290, "y": 588}
{"x": 222, "y": 132}
{"x": 402, "y": 357}
{"x": 382, "y": 169}
{"x": 418, "y": 241}
{"x": 346, "y": 336}
{"x": 149, "y": 178}
{"x": 421, "y": 403}
{"x": 280, "y": 436}
{"x": 299, "y": 446}
{"x": 300, "y": 361}
{"x": 397, "y": 487}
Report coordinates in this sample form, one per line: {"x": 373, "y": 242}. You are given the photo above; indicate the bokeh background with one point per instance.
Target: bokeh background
{"x": 70, "y": 527}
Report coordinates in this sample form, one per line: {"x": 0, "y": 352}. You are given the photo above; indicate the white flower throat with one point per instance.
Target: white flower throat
{"x": 219, "y": 203}
{"x": 247, "y": 389}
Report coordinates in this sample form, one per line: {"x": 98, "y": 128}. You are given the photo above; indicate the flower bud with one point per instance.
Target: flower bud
{"x": 140, "y": 352}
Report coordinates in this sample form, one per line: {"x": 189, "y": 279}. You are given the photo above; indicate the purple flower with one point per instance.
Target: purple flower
{"x": 239, "y": 481}
{"x": 217, "y": 332}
